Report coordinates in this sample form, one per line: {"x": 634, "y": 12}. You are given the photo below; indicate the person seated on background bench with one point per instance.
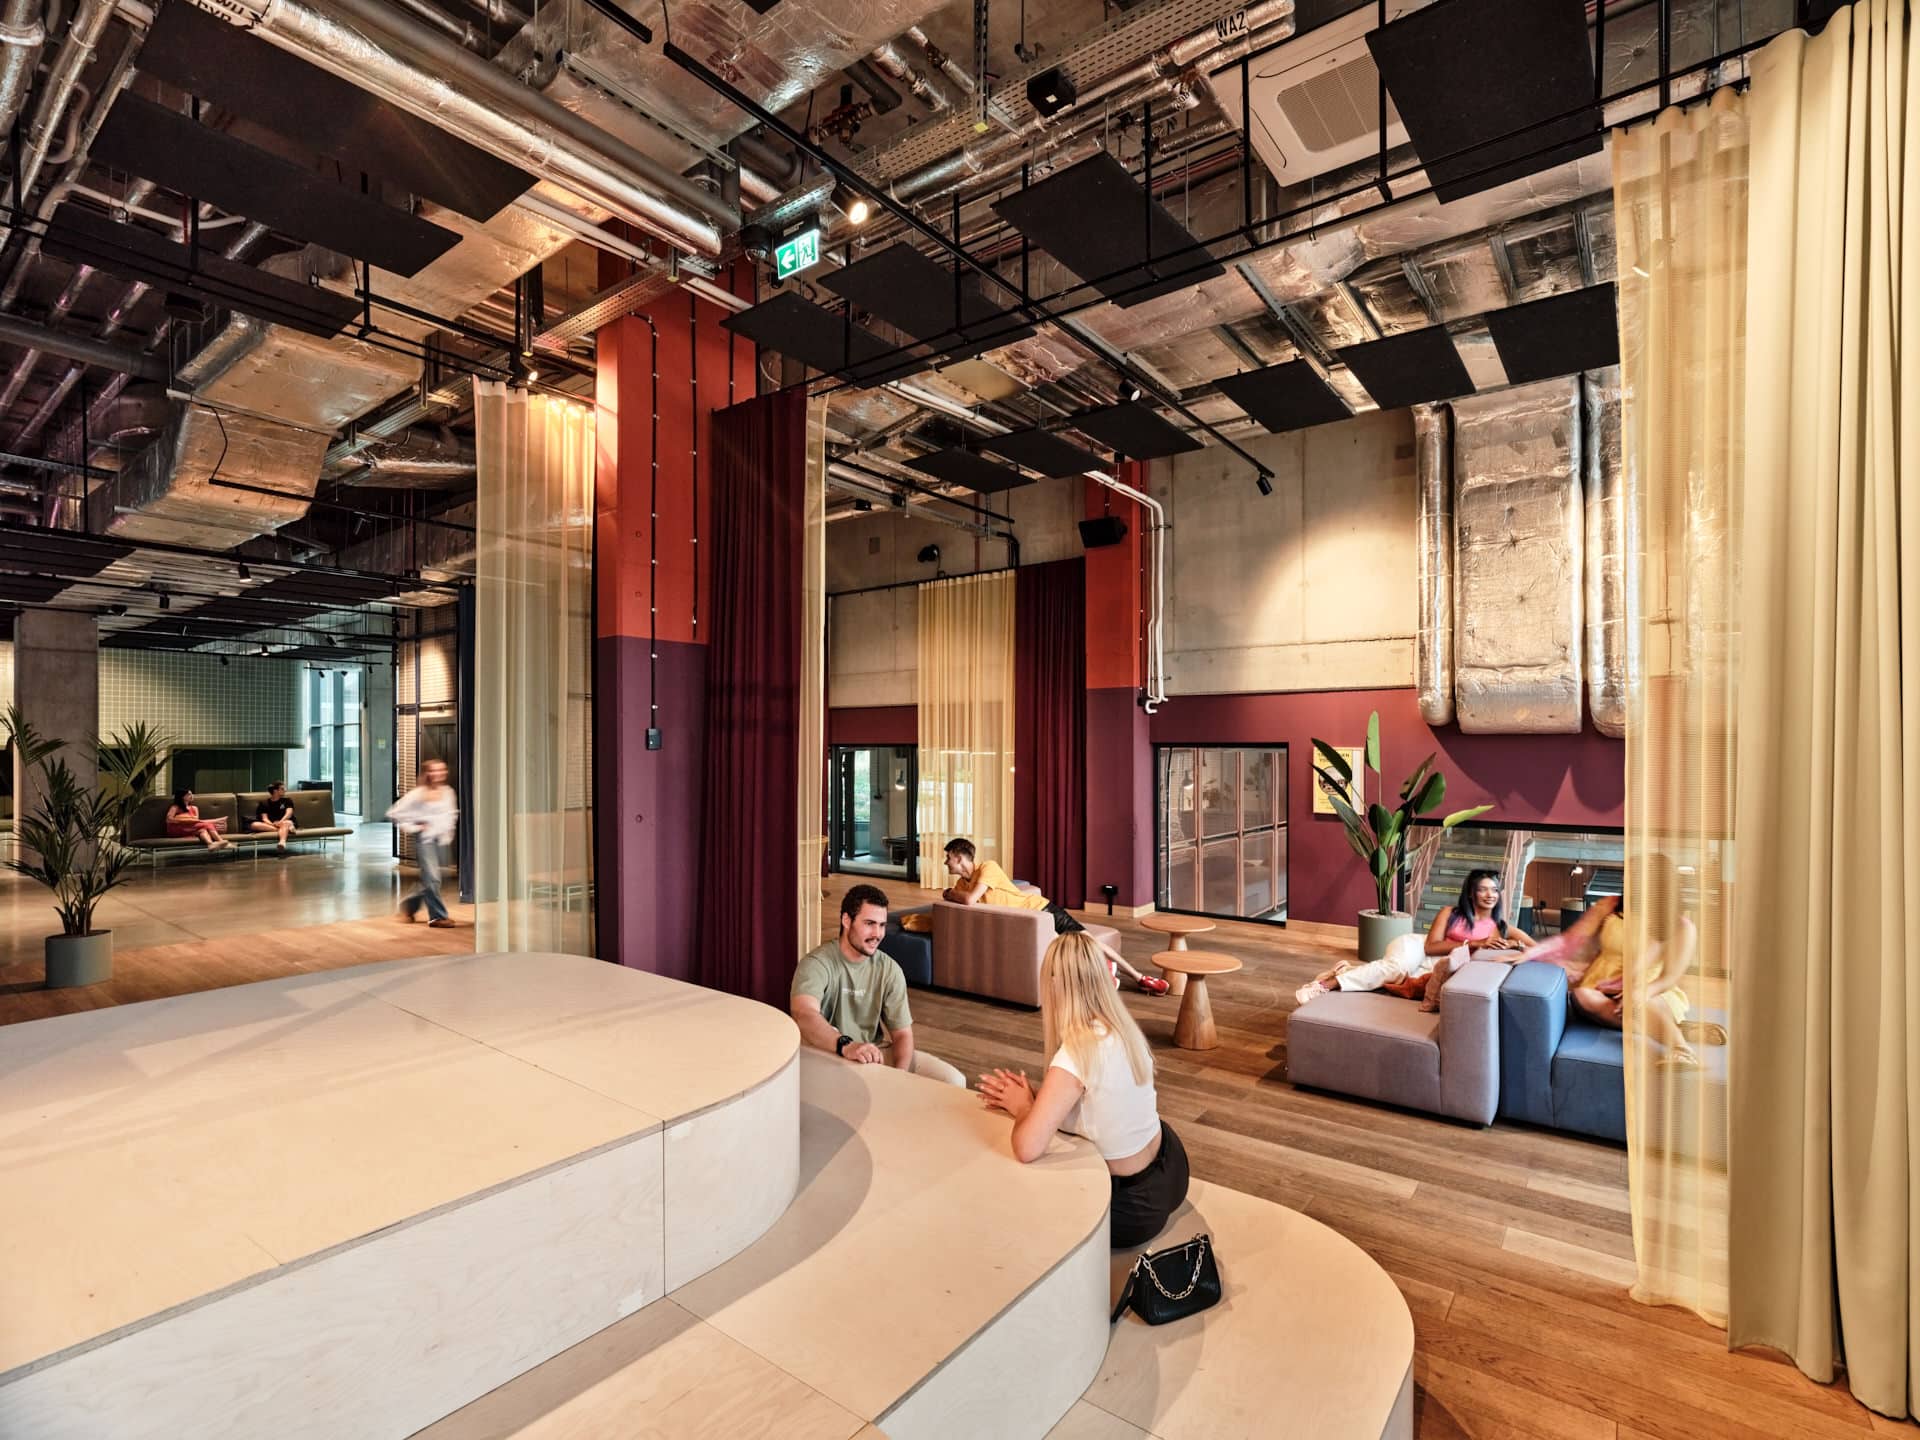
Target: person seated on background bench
{"x": 1470, "y": 926}
{"x": 850, "y": 998}
{"x": 982, "y": 882}
{"x": 1099, "y": 1084}
{"x": 274, "y": 816}
{"x": 1598, "y": 988}
{"x": 184, "y": 822}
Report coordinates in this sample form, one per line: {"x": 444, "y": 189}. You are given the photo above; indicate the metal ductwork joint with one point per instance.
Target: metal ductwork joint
{"x": 1433, "y": 654}
{"x": 1519, "y": 587}
{"x": 1611, "y": 550}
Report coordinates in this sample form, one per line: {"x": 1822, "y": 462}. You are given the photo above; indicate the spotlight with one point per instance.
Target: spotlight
{"x": 859, "y": 210}
{"x": 1266, "y": 484}
{"x": 264, "y": 652}
{"x": 165, "y": 602}
{"x": 223, "y": 660}
{"x": 245, "y": 574}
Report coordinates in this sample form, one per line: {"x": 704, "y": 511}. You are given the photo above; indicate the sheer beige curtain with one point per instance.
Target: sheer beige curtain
{"x": 1824, "y": 1102}
{"x": 1680, "y": 223}
{"x": 966, "y": 719}
{"x": 533, "y": 711}
{"x": 813, "y": 677}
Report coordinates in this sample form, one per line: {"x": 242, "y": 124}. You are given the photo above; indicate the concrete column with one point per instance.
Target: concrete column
{"x": 56, "y": 684}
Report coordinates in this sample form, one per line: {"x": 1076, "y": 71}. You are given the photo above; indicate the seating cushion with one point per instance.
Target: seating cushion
{"x": 1376, "y": 1046}
{"x": 1589, "y": 1081}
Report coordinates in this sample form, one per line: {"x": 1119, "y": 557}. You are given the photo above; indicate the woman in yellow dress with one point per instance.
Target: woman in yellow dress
{"x": 1600, "y": 990}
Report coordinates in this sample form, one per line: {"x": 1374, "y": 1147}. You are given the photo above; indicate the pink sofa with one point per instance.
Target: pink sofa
{"x": 994, "y": 950}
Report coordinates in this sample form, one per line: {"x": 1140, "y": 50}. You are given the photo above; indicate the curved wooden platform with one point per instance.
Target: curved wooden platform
{"x": 923, "y": 1282}
{"x": 350, "y": 1203}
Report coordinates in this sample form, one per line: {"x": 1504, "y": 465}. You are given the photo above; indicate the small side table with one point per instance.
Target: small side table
{"x": 1193, "y": 1028}
{"x": 1179, "y": 927}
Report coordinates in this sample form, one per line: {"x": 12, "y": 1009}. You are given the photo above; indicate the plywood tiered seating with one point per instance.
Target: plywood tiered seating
{"x": 349, "y": 1203}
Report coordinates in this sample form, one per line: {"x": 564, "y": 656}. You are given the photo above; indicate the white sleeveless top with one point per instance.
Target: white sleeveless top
{"x": 1118, "y": 1116}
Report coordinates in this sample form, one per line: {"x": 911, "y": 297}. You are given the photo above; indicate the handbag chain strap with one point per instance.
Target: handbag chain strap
{"x": 1146, "y": 1264}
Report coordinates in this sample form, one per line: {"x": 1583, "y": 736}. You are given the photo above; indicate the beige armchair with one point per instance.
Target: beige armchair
{"x": 994, "y": 950}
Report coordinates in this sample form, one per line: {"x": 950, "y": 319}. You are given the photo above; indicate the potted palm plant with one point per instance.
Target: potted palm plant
{"x": 71, "y": 841}
{"x": 1379, "y": 835}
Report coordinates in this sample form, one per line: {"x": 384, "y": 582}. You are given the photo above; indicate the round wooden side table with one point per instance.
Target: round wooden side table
{"x": 1179, "y": 927}
{"x": 1193, "y": 1028}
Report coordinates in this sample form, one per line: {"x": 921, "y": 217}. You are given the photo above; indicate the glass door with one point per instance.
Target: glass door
{"x": 871, "y": 802}
{"x": 1220, "y": 817}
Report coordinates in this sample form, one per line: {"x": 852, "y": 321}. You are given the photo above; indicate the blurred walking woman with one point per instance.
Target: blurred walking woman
{"x": 1099, "y": 1084}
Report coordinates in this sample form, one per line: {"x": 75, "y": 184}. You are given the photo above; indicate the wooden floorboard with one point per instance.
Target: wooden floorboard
{"x": 1513, "y": 1246}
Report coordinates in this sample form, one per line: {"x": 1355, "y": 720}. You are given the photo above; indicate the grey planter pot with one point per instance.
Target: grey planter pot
{"x": 1377, "y": 931}
{"x": 79, "y": 959}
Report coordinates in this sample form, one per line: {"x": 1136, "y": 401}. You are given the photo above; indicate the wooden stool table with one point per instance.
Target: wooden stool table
{"x": 1179, "y": 927}
{"x": 1193, "y": 1028}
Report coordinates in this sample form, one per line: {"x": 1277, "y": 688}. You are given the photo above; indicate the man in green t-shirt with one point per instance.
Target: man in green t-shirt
{"x": 849, "y": 997}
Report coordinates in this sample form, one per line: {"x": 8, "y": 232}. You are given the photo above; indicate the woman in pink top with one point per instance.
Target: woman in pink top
{"x": 1472, "y": 926}
{"x": 1476, "y": 920}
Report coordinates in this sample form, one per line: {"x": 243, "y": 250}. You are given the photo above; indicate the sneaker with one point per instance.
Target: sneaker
{"x": 1312, "y": 990}
{"x": 447, "y": 923}
{"x": 407, "y": 917}
{"x": 1153, "y": 984}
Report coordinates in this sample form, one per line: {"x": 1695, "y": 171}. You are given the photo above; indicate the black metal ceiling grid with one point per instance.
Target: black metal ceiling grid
{"x": 1561, "y": 335}
{"x": 814, "y": 335}
{"x": 52, "y": 552}
{"x": 222, "y": 64}
{"x": 1284, "y": 397}
{"x": 919, "y": 295}
{"x": 1137, "y": 431}
{"x": 1046, "y": 453}
{"x": 1099, "y": 222}
{"x": 976, "y": 472}
{"x": 180, "y": 154}
{"x": 79, "y": 236}
{"x": 30, "y": 589}
{"x": 1409, "y": 369}
{"x": 1478, "y": 84}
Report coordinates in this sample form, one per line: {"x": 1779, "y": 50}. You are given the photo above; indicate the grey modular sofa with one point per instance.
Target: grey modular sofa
{"x": 313, "y": 819}
{"x": 1381, "y": 1047}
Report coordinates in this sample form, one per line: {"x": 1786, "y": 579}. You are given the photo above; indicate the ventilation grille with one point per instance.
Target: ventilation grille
{"x": 1337, "y": 107}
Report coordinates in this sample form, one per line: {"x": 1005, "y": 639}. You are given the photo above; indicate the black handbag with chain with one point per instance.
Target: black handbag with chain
{"x": 1172, "y": 1284}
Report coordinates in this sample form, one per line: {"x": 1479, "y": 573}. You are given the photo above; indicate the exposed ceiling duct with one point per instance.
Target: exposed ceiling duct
{"x": 1611, "y": 564}
{"x": 1433, "y": 650}
{"x": 409, "y": 65}
{"x": 22, "y": 33}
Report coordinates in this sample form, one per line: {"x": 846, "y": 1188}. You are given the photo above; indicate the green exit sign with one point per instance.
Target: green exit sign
{"x": 797, "y": 254}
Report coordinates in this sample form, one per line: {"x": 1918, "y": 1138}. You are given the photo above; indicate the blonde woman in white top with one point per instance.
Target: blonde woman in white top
{"x": 1099, "y": 1084}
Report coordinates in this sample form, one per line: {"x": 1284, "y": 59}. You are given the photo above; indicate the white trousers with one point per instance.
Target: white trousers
{"x": 1406, "y": 959}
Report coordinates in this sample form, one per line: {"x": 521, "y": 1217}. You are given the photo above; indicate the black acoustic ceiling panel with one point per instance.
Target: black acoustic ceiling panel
{"x": 81, "y": 237}
{"x": 822, "y": 339}
{"x": 1561, "y": 335}
{"x": 1048, "y": 454}
{"x": 918, "y": 294}
{"x": 178, "y": 154}
{"x": 1491, "y": 90}
{"x": 1285, "y": 397}
{"x": 226, "y": 66}
{"x": 976, "y": 472}
{"x": 1136, "y": 431}
{"x": 55, "y": 552}
{"x": 1409, "y": 369}
{"x": 1099, "y": 222}
{"x": 334, "y": 589}
{"x": 30, "y": 589}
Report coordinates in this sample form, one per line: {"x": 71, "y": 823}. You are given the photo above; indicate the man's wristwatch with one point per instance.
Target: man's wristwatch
{"x": 841, "y": 1047}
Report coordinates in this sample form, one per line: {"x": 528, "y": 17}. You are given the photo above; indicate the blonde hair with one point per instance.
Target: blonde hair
{"x": 1077, "y": 997}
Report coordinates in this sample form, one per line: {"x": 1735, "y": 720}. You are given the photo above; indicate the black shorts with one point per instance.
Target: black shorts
{"x": 1143, "y": 1203}
{"x": 1063, "y": 923}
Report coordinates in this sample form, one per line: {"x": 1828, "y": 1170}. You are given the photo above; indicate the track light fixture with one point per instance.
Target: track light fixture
{"x": 166, "y": 602}
{"x": 223, "y": 660}
{"x": 1265, "y": 482}
{"x": 245, "y": 574}
{"x": 859, "y": 210}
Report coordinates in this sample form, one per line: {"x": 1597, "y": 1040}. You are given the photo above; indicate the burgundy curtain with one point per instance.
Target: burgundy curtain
{"x": 749, "y": 908}
{"x": 1049, "y": 729}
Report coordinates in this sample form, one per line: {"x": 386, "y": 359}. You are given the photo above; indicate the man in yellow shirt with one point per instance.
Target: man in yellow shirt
{"x": 982, "y": 882}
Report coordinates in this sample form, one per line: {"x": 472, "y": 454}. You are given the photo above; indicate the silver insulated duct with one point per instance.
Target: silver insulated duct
{"x": 1519, "y": 589}
{"x": 1610, "y": 568}
{"x": 1433, "y": 653}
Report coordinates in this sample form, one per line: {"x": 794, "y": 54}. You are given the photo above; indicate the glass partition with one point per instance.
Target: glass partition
{"x": 1220, "y": 817}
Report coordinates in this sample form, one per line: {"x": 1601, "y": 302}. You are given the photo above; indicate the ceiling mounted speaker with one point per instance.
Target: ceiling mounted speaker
{"x": 1050, "y": 91}
{"x": 1101, "y": 531}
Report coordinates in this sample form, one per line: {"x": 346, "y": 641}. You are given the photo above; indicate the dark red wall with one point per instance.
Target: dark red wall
{"x": 1540, "y": 779}
{"x": 874, "y": 725}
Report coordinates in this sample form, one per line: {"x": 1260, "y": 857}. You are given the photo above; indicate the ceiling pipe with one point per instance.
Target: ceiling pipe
{"x": 929, "y": 92}
{"x": 22, "y": 32}
{"x": 125, "y": 359}
{"x": 869, "y": 79}
{"x": 940, "y": 60}
{"x": 76, "y": 51}
{"x": 379, "y": 49}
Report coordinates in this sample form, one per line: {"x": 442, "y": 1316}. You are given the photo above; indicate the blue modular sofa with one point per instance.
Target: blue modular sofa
{"x": 1559, "y": 1069}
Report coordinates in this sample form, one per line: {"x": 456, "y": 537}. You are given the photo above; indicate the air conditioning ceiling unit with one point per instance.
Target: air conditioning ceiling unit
{"x": 1316, "y": 99}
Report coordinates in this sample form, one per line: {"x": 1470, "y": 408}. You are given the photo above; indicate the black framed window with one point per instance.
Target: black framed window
{"x": 1220, "y": 829}
{"x": 333, "y": 735}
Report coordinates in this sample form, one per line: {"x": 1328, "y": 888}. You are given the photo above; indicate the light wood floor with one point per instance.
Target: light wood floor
{"x": 1512, "y": 1245}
